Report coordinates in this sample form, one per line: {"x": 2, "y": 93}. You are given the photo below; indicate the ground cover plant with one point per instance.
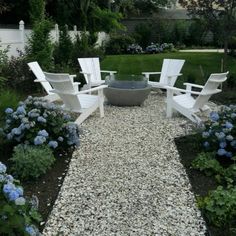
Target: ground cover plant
{"x": 18, "y": 214}
{"x": 211, "y": 166}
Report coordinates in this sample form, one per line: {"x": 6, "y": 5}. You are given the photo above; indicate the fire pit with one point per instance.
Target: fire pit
{"x": 126, "y": 90}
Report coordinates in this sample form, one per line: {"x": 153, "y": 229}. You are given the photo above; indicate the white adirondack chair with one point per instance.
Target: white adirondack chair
{"x": 169, "y": 73}
{"x": 188, "y": 105}
{"x": 76, "y": 101}
{"x": 36, "y": 69}
{"x": 91, "y": 70}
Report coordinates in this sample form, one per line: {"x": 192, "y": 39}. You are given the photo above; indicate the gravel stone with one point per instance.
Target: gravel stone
{"x": 126, "y": 177}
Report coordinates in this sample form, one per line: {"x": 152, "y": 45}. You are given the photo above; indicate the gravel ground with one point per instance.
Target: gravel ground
{"x": 126, "y": 178}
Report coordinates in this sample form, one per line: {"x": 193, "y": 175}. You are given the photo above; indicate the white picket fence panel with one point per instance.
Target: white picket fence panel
{"x": 17, "y": 39}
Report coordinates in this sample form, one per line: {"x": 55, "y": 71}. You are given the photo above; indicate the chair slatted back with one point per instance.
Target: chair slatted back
{"x": 170, "y": 67}
{"x": 63, "y": 86}
{"x": 91, "y": 65}
{"x": 211, "y": 86}
{"x": 36, "y": 69}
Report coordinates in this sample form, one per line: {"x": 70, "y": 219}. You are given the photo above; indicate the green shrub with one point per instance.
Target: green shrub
{"x": 40, "y": 46}
{"x": 18, "y": 215}
{"x": 17, "y": 73}
{"x": 63, "y": 49}
{"x": 118, "y": 44}
{"x": 84, "y": 47}
{"x": 31, "y": 161}
{"x": 220, "y": 207}
{"x": 206, "y": 162}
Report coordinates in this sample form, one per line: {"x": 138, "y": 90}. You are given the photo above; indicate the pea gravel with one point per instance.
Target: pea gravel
{"x": 126, "y": 178}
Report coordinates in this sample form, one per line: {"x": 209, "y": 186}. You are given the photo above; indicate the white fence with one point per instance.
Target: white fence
{"x": 16, "y": 39}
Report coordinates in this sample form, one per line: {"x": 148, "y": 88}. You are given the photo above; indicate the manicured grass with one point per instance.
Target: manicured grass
{"x": 197, "y": 65}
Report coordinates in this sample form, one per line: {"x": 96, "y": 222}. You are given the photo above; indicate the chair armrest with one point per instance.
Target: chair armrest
{"x": 151, "y": 73}
{"x": 92, "y": 89}
{"x": 108, "y": 71}
{"x": 86, "y": 73}
{"x": 169, "y": 76}
{"x": 40, "y": 81}
{"x": 182, "y": 90}
{"x": 192, "y": 92}
{"x": 80, "y": 92}
{"x": 73, "y": 76}
{"x": 193, "y": 85}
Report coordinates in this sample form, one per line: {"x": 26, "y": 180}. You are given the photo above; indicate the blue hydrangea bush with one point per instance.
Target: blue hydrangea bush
{"x": 18, "y": 215}
{"x": 219, "y": 134}
{"x": 37, "y": 122}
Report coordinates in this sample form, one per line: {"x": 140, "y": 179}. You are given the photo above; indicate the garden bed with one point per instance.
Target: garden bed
{"x": 201, "y": 184}
{"x": 47, "y": 187}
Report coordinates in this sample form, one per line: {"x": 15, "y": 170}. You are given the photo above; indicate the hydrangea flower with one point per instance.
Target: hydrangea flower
{"x": 53, "y": 144}
{"x": 13, "y": 195}
{"x": 229, "y": 154}
{"x": 229, "y": 125}
{"x": 221, "y": 152}
{"x": 41, "y": 119}
{"x": 31, "y": 230}
{"x": 220, "y": 135}
{"x": 43, "y": 133}
{"x": 233, "y": 115}
{"x": 223, "y": 144}
{"x": 60, "y": 139}
{"x": 214, "y": 116}
{"x": 9, "y": 178}
{"x": 3, "y": 168}
{"x": 205, "y": 134}
{"x": 39, "y": 140}
{"x": 206, "y": 144}
{"x": 9, "y": 110}
{"x": 7, "y": 188}
{"x": 20, "y": 110}
{"x": 20, "y": 201}
{"x": 229, "y": 138}
{"x": 233, "y": 143}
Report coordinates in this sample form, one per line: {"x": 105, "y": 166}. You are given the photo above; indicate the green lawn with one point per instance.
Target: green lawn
{"x": 135, "y": 64}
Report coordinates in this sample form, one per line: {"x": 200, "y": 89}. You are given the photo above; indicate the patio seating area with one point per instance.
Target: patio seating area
{"x": 126, "y": 177}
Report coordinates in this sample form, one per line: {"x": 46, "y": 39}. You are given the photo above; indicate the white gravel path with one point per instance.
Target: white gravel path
{"x": 126, "y": 178}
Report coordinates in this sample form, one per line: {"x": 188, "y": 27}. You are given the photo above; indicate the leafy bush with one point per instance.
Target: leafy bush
{"x": 118, "y": 44}
{"x": 37, "y": 122}
{"x": 206, "y": 162}
{"x": 63, "y": 49}
{"x": 31, "y": 161}
{"x": 220, "y": 132}
{"x": 84, "y": 47}
{"x": 17, "y": 73}
{"x": 220, "y": 207}
{"x": 40, "y": 46}
{"x": 18, "y": 215}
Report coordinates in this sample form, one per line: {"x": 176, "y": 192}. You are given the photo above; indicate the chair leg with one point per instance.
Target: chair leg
{"x": 101, "y": 102}
{"x": 169, "y": 108}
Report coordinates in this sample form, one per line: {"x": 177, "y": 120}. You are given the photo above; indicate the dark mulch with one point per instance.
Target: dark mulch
{"x": 47, "y": 187}
{"x": 188, "y": 148}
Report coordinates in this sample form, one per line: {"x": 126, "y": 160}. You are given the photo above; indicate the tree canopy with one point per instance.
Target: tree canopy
{"x": 220, "y": 16}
